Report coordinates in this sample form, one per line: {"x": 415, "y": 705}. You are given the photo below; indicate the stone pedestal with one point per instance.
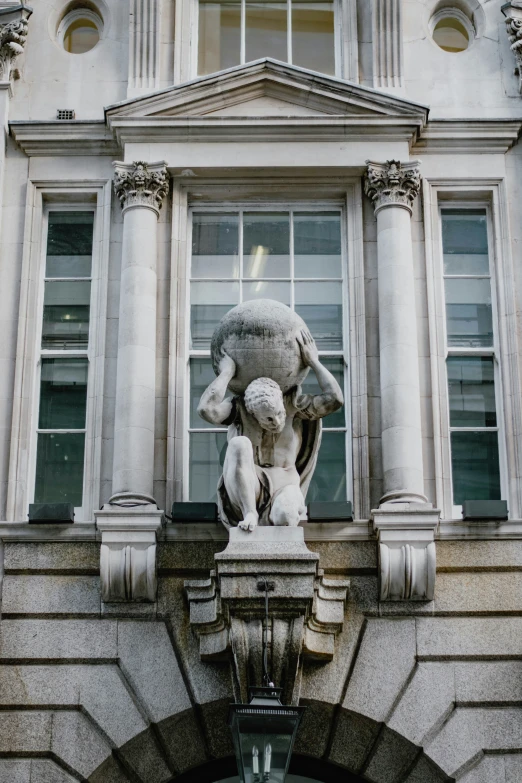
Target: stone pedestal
{"x": 128, "y": 553}
{"x": 306, "y": 609}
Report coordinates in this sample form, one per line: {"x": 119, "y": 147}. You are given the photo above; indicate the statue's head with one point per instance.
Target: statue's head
{"x": 264, "y": 401}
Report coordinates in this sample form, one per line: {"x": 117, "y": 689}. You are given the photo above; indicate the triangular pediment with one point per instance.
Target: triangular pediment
{"x": 268, "y": 88}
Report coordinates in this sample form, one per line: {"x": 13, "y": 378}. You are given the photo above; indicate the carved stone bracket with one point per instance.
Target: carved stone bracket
{"x": 128, "y": 553}
{"x": 306, "y": 609}
{"x": 141, "y": 184}
{"x": 513, "y": 13}
{"x": 392, "y": 183}
{"x": 13, "y": 37}
{"x": 407, "y": 551}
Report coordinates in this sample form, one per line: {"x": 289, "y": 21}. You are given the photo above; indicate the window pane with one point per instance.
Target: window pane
{"x": 81, "y": 36}
{"x": 210, "y": 302}
{"x": 59, "y": 468}
{"x": 451, "y": 35}
{"x": 215, "y": 246}
{"x": 264, "y": 289}
{"x": 468, "y": 312}
{"x": 66, "y": 315}
{"x": 207, "y": 456}
{"x": 63, "y": 394}
{"x": 320, "y": 306}
{"x": 317, "y": 245}
{"x": 471, "y": 391}
{"x": 329, "y": 480}
{"x": 69, "y": 244}
{"x": 310, "y": 386}
{"x": 201, "y": 376}
{"x": 266, "y": 31}
{"x": 266, "y": 244}
{"x": 313, "y": 43}
{"x": 219, "y": 36}
{"x": 465, "y": 241}
{"x": 475, "y": 464}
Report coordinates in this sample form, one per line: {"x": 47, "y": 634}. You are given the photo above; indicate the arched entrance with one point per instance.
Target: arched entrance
{"x": 303, "y": 769}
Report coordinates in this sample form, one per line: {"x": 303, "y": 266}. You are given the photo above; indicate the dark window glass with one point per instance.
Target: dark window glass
{"x": 215, "y": 245}
{"x": 469, "y": 315}
{"x": 475, "y": 466}
{"x": 63, "y": 394}
{"x": 201, "y": 376}
{"x": 69, "y": 244}
{"x": 266, "y": 244}
{"x": 206, "y": 457}
{"x": 471, "y": 385}
{"x": 219, "y": 44}
{"x": 313, "y": 44}
{"x": 265, "y": 35}
{"x": 329, "y": 479}
{"x": 310, "y": 386}
{"x": 66, "y": 314}
{"x": 59, "y": 468}
{"x": 317, "y": 245}
{"x": 465, "y": 241}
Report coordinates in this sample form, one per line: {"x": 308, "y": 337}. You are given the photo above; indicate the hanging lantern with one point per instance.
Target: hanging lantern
{"x": 263, "y": 733}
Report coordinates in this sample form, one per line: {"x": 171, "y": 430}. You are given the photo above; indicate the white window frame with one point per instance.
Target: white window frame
{"x": 41, "y": 199}
{"x": 186, "y": 40}
{"x": 491, "y": 196}
{"x": 354, "y": 353}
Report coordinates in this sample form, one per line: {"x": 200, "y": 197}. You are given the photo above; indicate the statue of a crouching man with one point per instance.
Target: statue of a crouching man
{"x": 273, "y": 441}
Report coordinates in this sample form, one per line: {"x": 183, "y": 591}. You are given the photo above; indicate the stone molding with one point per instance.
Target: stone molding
{"x": 513, "y": 13}
{"x": 392, "y": 184}
{"x": 306, "y": 608}
{"x": 128, "y": 553}
{"x": 141, "y": 184}
{"x": 13, "y": 37}
{"x": 407, "y": 551}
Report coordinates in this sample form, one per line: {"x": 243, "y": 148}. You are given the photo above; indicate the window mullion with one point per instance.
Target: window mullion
{"x": 242, "y": 54}
{"x": 289, "y": 29}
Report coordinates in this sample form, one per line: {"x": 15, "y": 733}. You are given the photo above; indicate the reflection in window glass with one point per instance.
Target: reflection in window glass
{"x": 465, "y": 242}
{"x": 265, "y": 34}
{"x": 69, "y": 244}
{"x": 219, "y": 43}
{"x": 313, "y": 44}
{"x": 267, "y": 253}
{"x": 81, "y": 36}
{"x": 469, "y": 317}
{"x": 66, "y": 314}
{"x": 471, "y": 383}
{"x": 215, "y": 241}
{"x": 451, "y": 35}
{"x": 63, "y": 394}
{"x": 59, "y": 468}
{"x": 206, "y": 457}
{"x": 475, "y": 466}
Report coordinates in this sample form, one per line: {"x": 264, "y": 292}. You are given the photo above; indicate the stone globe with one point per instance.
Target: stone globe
{"x": 261, "y": 337}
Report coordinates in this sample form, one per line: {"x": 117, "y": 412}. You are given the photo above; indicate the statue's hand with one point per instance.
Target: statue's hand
{"x": 227, "y": 365}
{"x": 308, "y": 348}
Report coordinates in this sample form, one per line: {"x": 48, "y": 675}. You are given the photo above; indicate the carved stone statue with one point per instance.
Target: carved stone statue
{"x": 262, "y": 350}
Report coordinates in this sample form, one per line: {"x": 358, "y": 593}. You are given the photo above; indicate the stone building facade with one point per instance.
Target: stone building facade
{"x": 162, "y": 161}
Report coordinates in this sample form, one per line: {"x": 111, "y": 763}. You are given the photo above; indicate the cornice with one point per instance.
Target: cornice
{"x": 493, "y": 136}
{"x": 59, "y": 137}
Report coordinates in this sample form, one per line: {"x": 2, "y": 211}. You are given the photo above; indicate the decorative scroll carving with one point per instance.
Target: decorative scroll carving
{"x": 513, "y": 13}
{"x": 13, "y": 37}
{"x": 141, "y": 184}
{"x": 306, "y": 608}
{"x": 392, "y": 183}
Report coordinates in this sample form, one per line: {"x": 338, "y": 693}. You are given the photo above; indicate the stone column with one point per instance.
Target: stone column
{"x": 393, "y": 188}
{"x": 141, "y": 188}
{"x": 405, "y": 522}
{"x": 129, "y": 523}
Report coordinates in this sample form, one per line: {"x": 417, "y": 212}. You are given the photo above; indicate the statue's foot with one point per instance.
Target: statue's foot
{"x": 249, "y": 522}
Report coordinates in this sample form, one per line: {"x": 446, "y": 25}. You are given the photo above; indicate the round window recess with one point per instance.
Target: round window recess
{"x": 80, "y": 31}
{"x": 452, "y": 33}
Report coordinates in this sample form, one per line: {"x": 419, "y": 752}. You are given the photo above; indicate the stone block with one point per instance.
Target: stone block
{"x": 479, "y": 592}
{"x": 472, "y": 555}
{"x": 25, "y": 732}
{"x": 182, "y": 740}
{"x": 391, "y": 758}
{"x": 72, "y": 557}
{"x": 77, "y": 742}
{"x": 428, "y": 699}
{"x": 513, "y": 768}
{"x": 350, "y": 557}
{"x": 55, "y": 595}
{"x": 385, "y": 661}
{"x": 469, "y": 637}
{"x": 109, "y": 772}
{"x": 488, "y": 681}
{"x": 490, "y": 769}
{"x": 425, "y": 772}
{"x": 149, "y": 662}
{"x": 314, "y": 729}
{"x": 353, "y": 739}
{"x": 15, "y": 771}
{"x": 183, "y": 555}
{"x": 58, "y": 639}
{"x": 47, "y": 771}
{"x": 145, "y": 757}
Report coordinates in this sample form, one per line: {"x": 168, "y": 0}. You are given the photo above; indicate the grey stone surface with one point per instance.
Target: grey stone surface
{"x": 428, "y": 699}
{"x": 473, "y": 555}
{"x": 15, "y": 771}
{"x": 182, "y": 741}
{"x": 385, "y": 661}
{"x": 58, "y": 639}
{"x": 149, "y": 663}
{"x": 77, "y": 742}
{"x": 183, "y": 555}
{"x": 353, "y": 738}
{"x": 490, "y": 769}
{"x": 73, "y": 557}
{"x": 337, "y": 556}
{"x": 145, "y": 757}
{"x": 25, "y": 732}
{"x": 55, "y": 595}
{"x": 47, "y": 771}
{"x": 479, "y": 592}
{"x": 476, "y": 637}
{"x": 109, "y": 772}
{"x": 513, "y": 768}
{"x": 488, "y": 681}
{"x": 391, "y": 758}
{"x": 425, "y": 772}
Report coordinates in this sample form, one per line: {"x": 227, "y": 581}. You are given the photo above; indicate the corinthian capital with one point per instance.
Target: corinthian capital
{"x": 13, "y": 35}
{"x": 392, "y": 183}
{"x": 513, "y": 13}
{"x": 141, "y": 184}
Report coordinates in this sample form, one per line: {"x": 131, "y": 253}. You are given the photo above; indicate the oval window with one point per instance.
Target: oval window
{"x": 81, "y": 35}
{"x": 451, "y": 35}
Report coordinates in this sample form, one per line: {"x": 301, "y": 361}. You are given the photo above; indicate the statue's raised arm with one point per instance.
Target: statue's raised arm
{"x": 213, "y": 407}
{"x": 317, "y": 406}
